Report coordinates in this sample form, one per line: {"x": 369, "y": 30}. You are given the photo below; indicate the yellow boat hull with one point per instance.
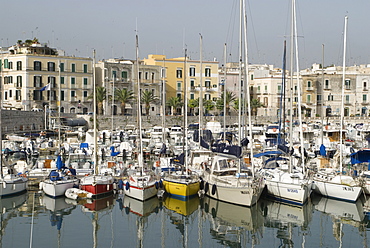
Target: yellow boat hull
{"x": 181, "y": 190}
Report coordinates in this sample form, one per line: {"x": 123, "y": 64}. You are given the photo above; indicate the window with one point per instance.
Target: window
{"x": 179, "y": 88}
{"x": 85, "y": 81}
{"x": 61, "y": 80}
{"x": 10, "y": 65}
{"x": 5, "y": 95}
{"x": 19, "y": 65}
{"x": 73, "y": 67}
{"x": 309, "y": 84}
{"x": 37, "y": 95}
{"x": 364, "y": 85}
{"x": 192, "y": 71}
{"x": 258, "y": 89}
{"x": 146, "y": 75}
{"x": 37, "y": 82}
{"x": 192, "y": 96}
{"x": 265, "y": 88}
{"x": 8, "y": 80}
{"x": 18, "y": 95}
{"x": 308, "y": 98}
{"x": 207, "y": 84}
{"x": 207, "y": 96}
{"x": 192, "y": 84}
{"x": 51, "y": 66}
{"x": 37, "y": 65}
{"x": 265, "y": 101}
{"x": 318, "y": 99}
{"x": 73, "y": 93}
{"x": 178, "y": 95}
{"x": 326, "y": 86}
{"x": 279, "y": 89}
{"x": 61, "y": 67}
{"x": 330, "y": 97}
{"x": 51, "y": 81}
{"x": 179, "y": 73}
{"x": 140, "y": 75}
{"x": 19, "y": 81}
{"x": 207, "y": 72}
{"x": 163, "y": 72}
{"x": 62, "y": 95}
{"x": 114, "y": 74}
{"x": 73, "y": 81}
{"x": 85, "y": 68}
{"x": 10, "y": 93}
{"x": 364, "y": 98}
{"x": 347, "y": 98}
{"x": 85, "y": 93}
{"x": 124, "y": 74}
{"x": 347, "y": 84}
{"x": 6, "y": 63}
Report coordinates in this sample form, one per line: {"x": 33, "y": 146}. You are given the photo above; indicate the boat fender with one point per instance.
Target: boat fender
{"x": 4, "y": 185}
{"x": 214, "y": 189}
{"x": 120, "y": 184}
{"x": 160, "y": 184}
{"x": 201, "y": 185}
{"x": 206, "y": 187}
{"x": 40, "y": 185}
{"x": 127, "y": 210}
{"x": 214, "y": 213}
{"x": 156, "y": 185}
{"x": 127, "y": 185}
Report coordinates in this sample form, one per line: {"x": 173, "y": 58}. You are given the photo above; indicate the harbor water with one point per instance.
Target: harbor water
{"x": 34, "y": 220}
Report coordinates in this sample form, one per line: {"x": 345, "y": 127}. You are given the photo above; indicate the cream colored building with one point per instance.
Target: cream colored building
{"x": 194, "y": 74}
{"x": 28, "y": 67}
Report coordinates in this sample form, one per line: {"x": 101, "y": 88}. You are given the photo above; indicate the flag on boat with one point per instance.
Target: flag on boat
{"x": 46, "y": 87}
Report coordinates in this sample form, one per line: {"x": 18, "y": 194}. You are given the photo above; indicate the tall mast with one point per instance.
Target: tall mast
{"x": 140, "y": 158}
{"x": 322, "y": 97}
{"x": 224, "y": 92}
{"x": 200, "y": 131}
{"x": 246, "y": 86}
{"x": 95, "y": 154}
{"x": 343, "y": 84}
{"x": 185, "y": 139}
{"x": 163, "y": 107}
{"x": 291, "y": 84}
{"x": 240, "y": 72}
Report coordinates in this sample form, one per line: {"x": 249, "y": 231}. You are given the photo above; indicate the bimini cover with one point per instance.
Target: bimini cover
{"x": 269, "y": 153}
{"x": 362, "y": 156}
{"x": 54, "y": 175}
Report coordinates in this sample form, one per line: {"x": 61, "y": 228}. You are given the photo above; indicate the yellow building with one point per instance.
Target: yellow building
{"x": 30, "y": 66}
{"x": 178, "y": 73}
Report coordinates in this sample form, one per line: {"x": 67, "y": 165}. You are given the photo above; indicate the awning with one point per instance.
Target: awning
{"x": 269, "y": 153}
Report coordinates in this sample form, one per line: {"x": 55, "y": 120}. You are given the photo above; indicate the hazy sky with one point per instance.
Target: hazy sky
{"x": 166, "y": 26}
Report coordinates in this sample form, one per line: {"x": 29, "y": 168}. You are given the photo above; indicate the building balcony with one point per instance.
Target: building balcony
{"x": 365, "y": 103}
{"x": 309, "y": 88}
{"x": 347, "y": 103}
{"x": 365, "y": 89}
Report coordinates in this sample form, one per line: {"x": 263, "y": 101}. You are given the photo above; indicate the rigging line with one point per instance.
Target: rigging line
{"x": 253, "y": 30}
{"x": 232, "y": 14}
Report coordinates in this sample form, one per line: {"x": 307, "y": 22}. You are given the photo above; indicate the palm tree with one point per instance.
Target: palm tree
{"x": 100, "y": 98}
{"x": 230, "y": 98}
{"x": 124, "y": 96}
{"x": 175, "y": 103}
{"x": 255, "y": 104}
{"x": 208, "y": 106}
{"x": 147, "y": 97}
{"x": 192, "y": 104}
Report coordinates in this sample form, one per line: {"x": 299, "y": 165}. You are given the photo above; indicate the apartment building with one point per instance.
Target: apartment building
{"x": 199, "y": 77}
{"x": 35, "y": 75}
{"x": 122, "y": 74}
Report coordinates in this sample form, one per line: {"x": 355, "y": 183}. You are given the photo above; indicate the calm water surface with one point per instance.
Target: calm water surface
{"x": 34, "y": 220}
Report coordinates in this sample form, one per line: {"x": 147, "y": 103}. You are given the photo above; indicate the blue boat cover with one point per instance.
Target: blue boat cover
{"x": 323, "y": 150}
{"x": 228, "y": 149}
{"x": 179, "y": 159}
{"x": 59, "y": 163}
{"x": 84, "y": 145}
{"x": 269, "y": 153}
{"x": 362, "y": 156}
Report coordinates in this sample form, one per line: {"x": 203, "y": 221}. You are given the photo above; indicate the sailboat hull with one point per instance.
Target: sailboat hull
{"x": 98, "y": 185}
{"x": 292, "y": 193}
{"x": 337, "y": 191}
{"x": 57, "y": 188}
{"x": 139, "y": 192}
{"x": 244, "y": 196}
{"x": 181, "y": 189}
{"x": 12, "y": 185}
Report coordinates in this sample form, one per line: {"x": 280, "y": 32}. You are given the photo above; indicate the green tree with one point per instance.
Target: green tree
{"x": 230, "y": 98}
{"x": 147, "y": 98}
{"x": 100, "y": 97}
{"x": 255, "y": 104}
{"x": 192, "y": 104}
{"x": 175, "y": 103}
{"x": 124, "y": 96}
{"x": 208, "y": 105}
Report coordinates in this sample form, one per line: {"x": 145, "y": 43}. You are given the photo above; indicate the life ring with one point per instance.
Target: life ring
{"x": 157, "y": 163}
{"x": 201, "y": 185}
{"x": 304, "y": 129}
{"x": 326, "y": 127}
{"x": 274, "y": 129}
{"x": 23, "y": 175}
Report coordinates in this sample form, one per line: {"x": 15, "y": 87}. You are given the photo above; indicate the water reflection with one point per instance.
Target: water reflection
{"x": 233, "y": 225}
{"x": 205, "y": 222}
